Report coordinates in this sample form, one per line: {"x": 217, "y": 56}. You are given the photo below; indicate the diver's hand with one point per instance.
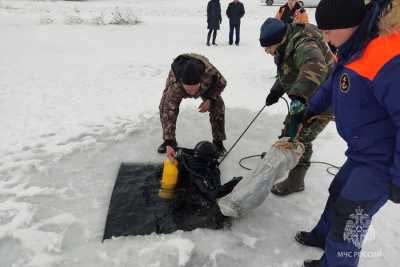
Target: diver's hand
{"x": 204, "y": 106}
{"x": 171, "y": 152}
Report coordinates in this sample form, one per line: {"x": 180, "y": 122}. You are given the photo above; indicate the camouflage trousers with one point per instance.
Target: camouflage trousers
{"x": 216, "y": 115}
{"x": 217, "y": 119}
{"x": 306, "y": 136}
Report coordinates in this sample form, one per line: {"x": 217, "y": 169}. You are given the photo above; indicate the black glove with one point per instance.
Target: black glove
{"x": 395, "y": 194}
{"x": 274, "y": 94}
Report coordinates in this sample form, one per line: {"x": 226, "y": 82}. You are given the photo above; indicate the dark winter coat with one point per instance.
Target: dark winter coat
{"x": 235, "y": 12}
{"x": 214, "y": 17}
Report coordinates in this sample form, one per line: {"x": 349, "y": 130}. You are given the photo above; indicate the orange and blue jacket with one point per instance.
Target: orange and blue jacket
{"x": 363, "y": 92}
{"x": 297, "y": 15}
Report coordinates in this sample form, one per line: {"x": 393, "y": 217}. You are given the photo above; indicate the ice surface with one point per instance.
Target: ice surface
{"x": 77, "y": 99}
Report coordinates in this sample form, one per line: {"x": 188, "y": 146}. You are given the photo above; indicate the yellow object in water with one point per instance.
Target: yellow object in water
{"x": 169, "y": 178}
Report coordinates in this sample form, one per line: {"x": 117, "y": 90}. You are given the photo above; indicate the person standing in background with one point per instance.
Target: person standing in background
{"x": 292, "y": 11}
{"x": 235, "y": 12}
{"x": 214, "y": 19}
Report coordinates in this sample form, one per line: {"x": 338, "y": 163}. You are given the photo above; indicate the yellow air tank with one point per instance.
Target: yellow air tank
{"x": 169, "y": 178}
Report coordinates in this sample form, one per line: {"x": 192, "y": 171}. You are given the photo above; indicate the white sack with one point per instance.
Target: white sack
{"x": 254, "y": 189}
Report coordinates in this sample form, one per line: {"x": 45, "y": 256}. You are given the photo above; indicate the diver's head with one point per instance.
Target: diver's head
{"x": 205, "y": 151}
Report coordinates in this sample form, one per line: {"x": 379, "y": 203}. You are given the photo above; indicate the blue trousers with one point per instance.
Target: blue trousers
{"x": 236, "y": 28}
{"x": 356, "y": 193}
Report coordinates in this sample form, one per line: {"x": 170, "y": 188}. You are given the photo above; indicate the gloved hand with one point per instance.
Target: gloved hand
{"x": 296, "y": 106}
{"x": 274, "y": 94}
{"x": 296, "y": 113}
{"x": 395, "y": 193}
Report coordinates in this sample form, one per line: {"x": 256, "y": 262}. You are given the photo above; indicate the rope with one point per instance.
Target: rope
{"x": 245, "y": 158}
{"x": 328, "y": 170}
{"x": 240, "y": 137}
{"x": 248, "y": 126}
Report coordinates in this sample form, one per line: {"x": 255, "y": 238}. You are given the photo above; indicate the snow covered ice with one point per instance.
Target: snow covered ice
{"x": 79, "y": 94}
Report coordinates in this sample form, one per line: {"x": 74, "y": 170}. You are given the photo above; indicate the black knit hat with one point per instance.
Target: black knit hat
{"x": 272, "y": 32}
{"x": 339, "y": 14}
{"x": 191, "y": 74}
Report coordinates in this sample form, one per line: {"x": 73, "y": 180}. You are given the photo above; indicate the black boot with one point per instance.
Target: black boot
{"x": 220, "y": 148}
{"x": 306, "y": 239}
{"x": 163, "y": 147}
{"x": 294, "y": 183}
{"x": 312, "y": 263}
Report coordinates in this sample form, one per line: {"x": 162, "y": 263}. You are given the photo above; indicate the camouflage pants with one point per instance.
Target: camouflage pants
{"x": 216, "y": 114}
{"x": 306, "y": 136}
{"x": 217, "y": 119}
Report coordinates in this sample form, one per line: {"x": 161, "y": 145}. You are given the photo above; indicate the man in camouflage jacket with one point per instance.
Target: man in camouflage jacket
{"x": 192, "y": 76}
{"x": 304, "y": 61}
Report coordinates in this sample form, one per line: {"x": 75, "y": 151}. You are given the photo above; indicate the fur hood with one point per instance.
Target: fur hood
{"x": 390, "y": 21}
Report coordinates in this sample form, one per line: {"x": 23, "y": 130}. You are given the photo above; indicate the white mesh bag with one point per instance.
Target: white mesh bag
{"x": 252, "y": 190}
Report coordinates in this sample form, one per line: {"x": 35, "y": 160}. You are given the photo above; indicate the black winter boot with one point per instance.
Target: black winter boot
{"x": 163, "y": 147}
{"x": 294, "y": 183}
{"x": 306, "y": 239}
{"x": 312, "y": 263}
